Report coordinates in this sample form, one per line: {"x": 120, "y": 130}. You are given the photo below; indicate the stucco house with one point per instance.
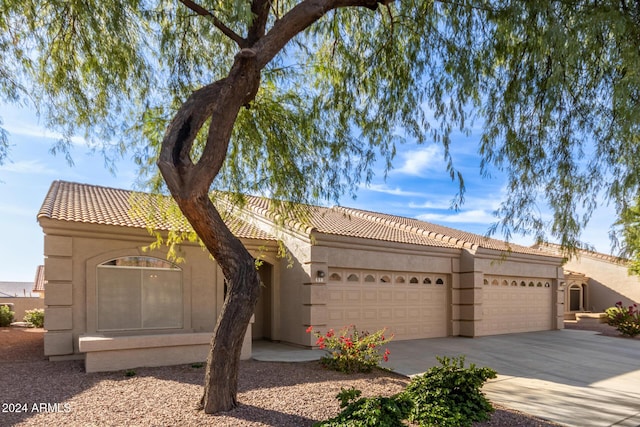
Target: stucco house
{"x": 118, "y": 305}
{"x": 596, "y": 281}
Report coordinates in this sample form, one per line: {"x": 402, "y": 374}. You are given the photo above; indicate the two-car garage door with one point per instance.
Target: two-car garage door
{"x": 408, "y": 304}
{"x": 515, "y": 305}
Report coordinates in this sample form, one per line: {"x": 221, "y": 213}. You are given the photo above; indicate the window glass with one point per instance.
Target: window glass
{"x": 139, "y": 293}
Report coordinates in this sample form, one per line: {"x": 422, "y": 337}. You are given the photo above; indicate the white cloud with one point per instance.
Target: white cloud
{"x": 28, "y": 167}
{"x": 418, "y": 162}
{"x": 40, "y": 132}
{"x": 475, "y": 216}
{"x": 397, "y": 191}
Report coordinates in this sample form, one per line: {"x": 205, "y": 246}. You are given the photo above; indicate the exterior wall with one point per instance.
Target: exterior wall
{"x": 21, "y": 305}
{"x": 72, "y": 255}
{"x": 396, "y": 295}
{"x": 609, "y": 282}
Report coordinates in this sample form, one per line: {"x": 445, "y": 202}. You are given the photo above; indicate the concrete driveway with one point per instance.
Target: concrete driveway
{"x": 575, "y": 378}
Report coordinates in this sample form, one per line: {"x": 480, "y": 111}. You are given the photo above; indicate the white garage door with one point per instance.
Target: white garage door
{"x": 512, "y": 305}
{"x": 409, "y": 305}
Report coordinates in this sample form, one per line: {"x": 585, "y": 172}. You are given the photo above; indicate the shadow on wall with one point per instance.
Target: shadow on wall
{"x": 603, "y": 297}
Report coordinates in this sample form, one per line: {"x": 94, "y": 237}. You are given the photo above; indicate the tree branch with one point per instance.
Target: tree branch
{"x": 260, "y": 10}
{"x": 298, "y": 19}
{"x": 241, "y": 42}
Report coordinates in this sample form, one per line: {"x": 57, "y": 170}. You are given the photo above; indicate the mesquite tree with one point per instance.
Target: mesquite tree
{"x": 304, "y": 99}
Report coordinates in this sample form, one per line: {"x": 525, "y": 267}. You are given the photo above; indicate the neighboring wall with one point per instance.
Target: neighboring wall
{"x": 21, "y": 305}
{"x": 609, "y": 281}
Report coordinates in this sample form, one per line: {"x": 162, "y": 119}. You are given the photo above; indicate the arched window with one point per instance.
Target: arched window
{"x": 531, "y": 285}
{"x": 400, "y": 279}
{"x": 523, "y": 283}
{"x": 353, "y": 278}
{"x": 427, "y": 281}
{"x": 539, "y": 285}
{"x": 385, "y": 279}
{"x": 369, "y": 278}
{"x": 139, "y": 293}
{"x": 413, "y": 280}
{"x": 335, "y": 277}
{"x": 505, "y": 283}
{"x": 494, "y": 282}
{"x": 485, "y": 282}
{"x": 439, "y": 281}
{"x": 514, "y": 283}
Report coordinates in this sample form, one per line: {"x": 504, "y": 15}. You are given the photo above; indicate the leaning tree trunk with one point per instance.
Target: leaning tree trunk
{"x": 189, "y": 183}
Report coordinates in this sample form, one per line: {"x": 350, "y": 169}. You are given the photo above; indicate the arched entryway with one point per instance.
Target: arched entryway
{"x": 577, "y": 297}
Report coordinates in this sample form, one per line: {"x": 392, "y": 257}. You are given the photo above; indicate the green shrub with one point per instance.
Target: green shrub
{"x": 369, "y": 411}
{"x": 6, "y": 316}
{"x": 352, "y": 350}
{"x": 35, "y": 317}
{"x": 449, "y": 395}
{"x": 625, "y": 319}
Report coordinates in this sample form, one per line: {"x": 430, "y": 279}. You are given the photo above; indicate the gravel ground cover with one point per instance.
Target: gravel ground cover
{"x": 36, "y": 392}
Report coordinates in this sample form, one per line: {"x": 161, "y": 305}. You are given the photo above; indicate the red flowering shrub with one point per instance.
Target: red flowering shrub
{"x": 352, "y": 350}
{"x": 625, "y": 319}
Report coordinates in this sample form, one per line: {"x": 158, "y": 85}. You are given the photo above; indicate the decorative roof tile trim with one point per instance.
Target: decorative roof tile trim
{"x": 448, "y": 235}
{"x": 335, "y": 221}
{"x": 84, "y": 203}
{"x": 39, "y": 282}
{"x": 415, "y": 229}
{"x": 557, "y": 249}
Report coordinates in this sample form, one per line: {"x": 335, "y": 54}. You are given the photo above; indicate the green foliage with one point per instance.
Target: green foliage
{"x": 553, "y": 84}
{"x": 625, "y": 319}
{"x": 6, "y": 316}
{"x": 35, "y": 317}
{"x": 449, "y": 395}
{"x": 372, "y": 411}
{"x": 352, "y": 350}
{"x": 130, "y": 373}
{"x": 629, "y": 228}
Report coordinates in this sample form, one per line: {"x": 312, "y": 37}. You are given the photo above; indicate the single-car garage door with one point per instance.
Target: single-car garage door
{"x": 409, "y": 305}
{"x": 515, "y": 305}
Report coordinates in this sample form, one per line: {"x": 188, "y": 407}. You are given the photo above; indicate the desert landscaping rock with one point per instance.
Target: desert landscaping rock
{"x": 270, "y": 393}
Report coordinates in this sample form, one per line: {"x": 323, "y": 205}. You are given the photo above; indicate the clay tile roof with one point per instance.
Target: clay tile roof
{"x": 39, "y": 282}
{"x": 378, "y": 226}
{"x": 452, "y": 236}
{"x": 556, "y": 249}
{"x": 92, "y": 204}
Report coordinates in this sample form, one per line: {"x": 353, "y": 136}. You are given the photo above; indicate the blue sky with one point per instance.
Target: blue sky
{"x": 418, "y": 187}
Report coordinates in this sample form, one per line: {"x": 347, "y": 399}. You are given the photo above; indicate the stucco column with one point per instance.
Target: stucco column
{"x": 314, "y": 293}
{"x": 467, "y": 297}
{"x": 58, "y": 299}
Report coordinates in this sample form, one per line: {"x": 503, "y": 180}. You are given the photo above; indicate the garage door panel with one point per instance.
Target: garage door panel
{"x": 515, "y": 309}
{"x": 407, "y": 310}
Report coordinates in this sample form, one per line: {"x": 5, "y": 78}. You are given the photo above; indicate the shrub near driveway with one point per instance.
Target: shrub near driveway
{"x": 625, "y": 319}
{"x": 445, "y": 396}
{"x": 352, "y": 350}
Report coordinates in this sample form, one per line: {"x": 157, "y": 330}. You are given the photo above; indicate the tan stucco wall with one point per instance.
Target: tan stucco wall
{"x": 609, "y": 282}
{"x": 72, "y": 254}
{"x": 21, "y": 305}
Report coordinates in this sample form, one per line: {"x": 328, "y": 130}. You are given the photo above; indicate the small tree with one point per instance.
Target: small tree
{"x": 299, "y": 99}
